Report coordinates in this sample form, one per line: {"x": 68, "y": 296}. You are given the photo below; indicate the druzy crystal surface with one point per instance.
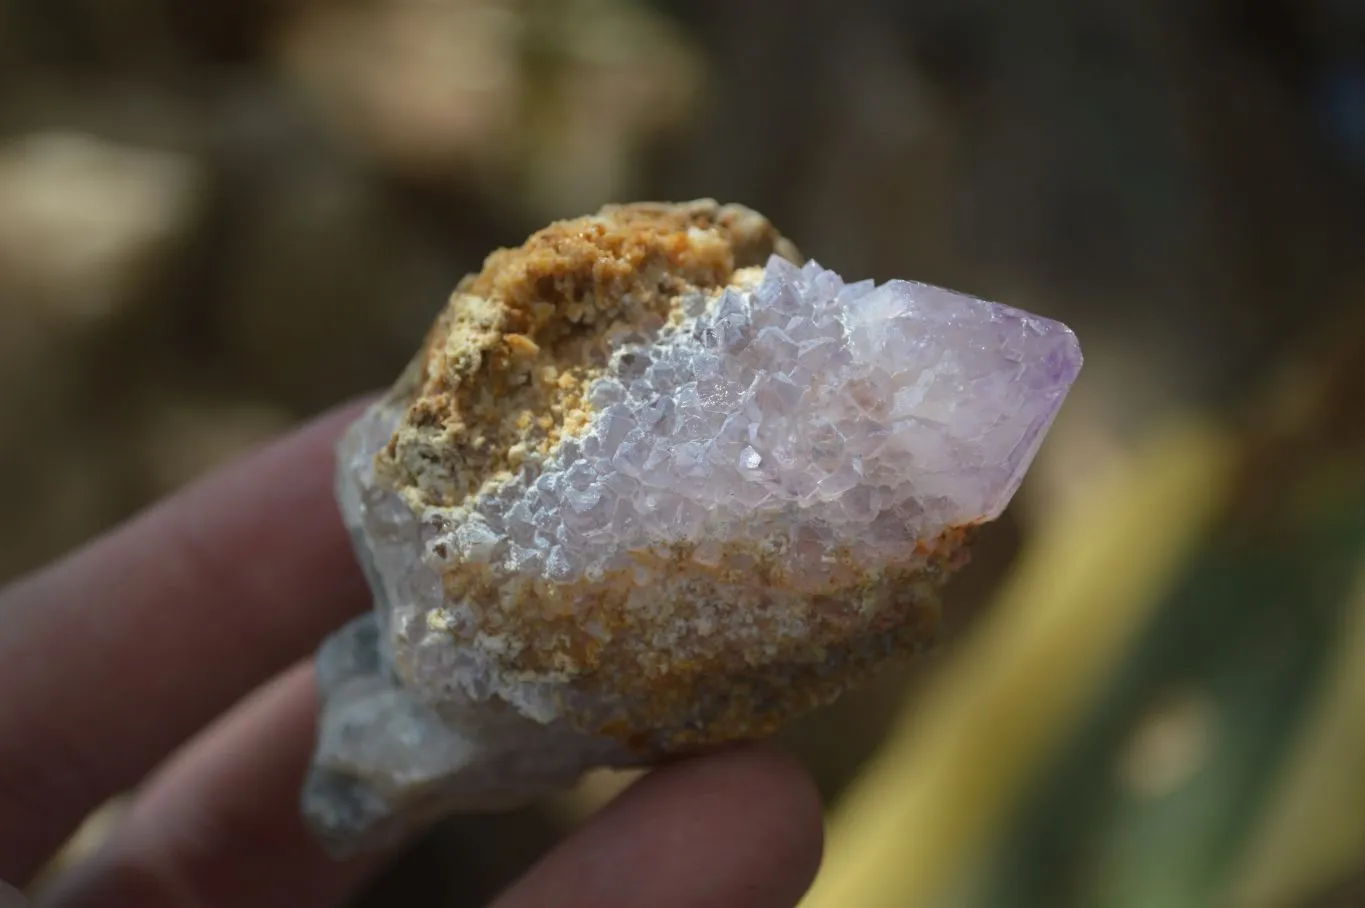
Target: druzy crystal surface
{"x": 656, "y": 482}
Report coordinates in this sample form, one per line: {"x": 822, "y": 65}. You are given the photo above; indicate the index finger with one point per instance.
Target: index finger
{"x": 113, "y": 656}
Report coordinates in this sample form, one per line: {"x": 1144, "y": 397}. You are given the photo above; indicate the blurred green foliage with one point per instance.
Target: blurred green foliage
{"x": 1243, "y": 640}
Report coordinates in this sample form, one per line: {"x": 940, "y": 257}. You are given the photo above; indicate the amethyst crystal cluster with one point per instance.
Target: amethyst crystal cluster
{"x": 655, "y": 482}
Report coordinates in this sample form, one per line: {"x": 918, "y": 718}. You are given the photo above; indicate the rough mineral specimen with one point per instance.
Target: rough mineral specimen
{"x": 651, "y": 484}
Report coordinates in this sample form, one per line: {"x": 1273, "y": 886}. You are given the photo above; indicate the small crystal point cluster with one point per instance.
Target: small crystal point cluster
{"x": 655, "y": 482}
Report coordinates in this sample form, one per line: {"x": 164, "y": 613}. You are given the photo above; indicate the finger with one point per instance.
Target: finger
{"x": 114, "y": 656}
{"x": 740, "y": 828}
{"x": 220, "y": 824}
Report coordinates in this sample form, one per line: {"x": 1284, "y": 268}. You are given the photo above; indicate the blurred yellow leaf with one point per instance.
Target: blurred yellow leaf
{"x": 1071, "y": 605}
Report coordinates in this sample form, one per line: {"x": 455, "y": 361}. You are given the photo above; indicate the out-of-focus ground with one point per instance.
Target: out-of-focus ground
{"x": 219, "y": 217}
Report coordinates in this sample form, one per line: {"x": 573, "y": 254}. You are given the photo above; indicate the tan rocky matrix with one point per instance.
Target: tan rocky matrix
{"x": 652, "y": 483}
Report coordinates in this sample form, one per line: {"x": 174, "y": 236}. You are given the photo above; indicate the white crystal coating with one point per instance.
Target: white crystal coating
{"x": 789, "y": 416}
{"x": 874, "y": 415}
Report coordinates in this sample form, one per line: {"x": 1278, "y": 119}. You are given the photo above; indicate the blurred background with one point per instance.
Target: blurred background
{"x": 219, "y": 217}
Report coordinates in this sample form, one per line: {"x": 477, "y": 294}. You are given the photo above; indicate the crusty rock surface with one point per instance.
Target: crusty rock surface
{"x": 653, "y": 484}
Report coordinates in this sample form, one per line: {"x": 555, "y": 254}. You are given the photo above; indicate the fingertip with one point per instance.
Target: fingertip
{"x": 218, "y": 587}
{"x": 762, "y": 793}
{"x": 740, "y": 827}
{"x": 219, "y": 825}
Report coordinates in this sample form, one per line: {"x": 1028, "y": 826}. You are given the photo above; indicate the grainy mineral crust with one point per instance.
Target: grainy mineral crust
{"x": 653, "y": 483}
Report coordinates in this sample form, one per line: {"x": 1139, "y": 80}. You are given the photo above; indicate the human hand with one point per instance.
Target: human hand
{"x": 134, "y": 654}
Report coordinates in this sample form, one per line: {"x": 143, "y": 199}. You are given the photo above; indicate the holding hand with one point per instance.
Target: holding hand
{"x": 147, "y": 650}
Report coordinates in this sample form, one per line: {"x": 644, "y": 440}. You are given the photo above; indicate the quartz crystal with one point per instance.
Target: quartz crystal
{"x": 655, "y": 482}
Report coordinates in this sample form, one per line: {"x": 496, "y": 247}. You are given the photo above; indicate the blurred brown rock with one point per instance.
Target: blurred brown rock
{"x": 427, "y": 87}
{"x": 91, "y": 236}
{"x": 88, "y": 230}
{"x": 545, "y": 105}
